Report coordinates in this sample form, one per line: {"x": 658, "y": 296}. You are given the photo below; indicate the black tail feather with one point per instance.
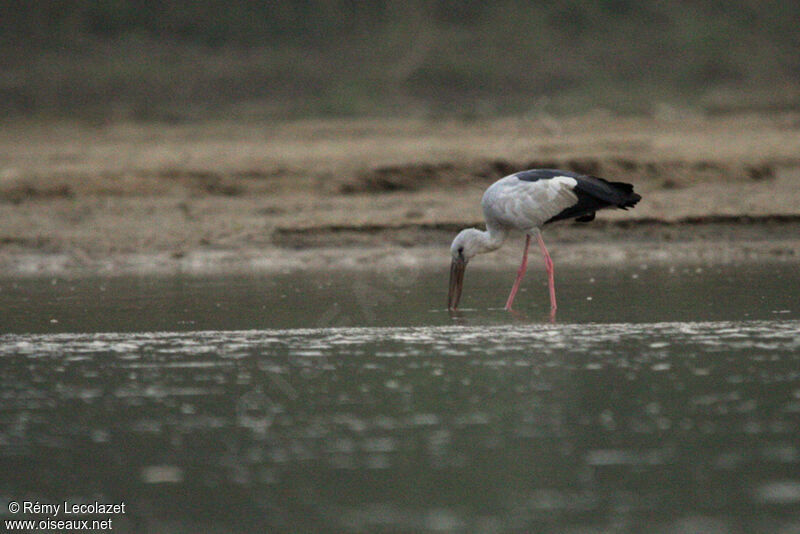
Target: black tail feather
{"x": 626, "y": 197}
{"x": 625, "y": 187}
{"x": 597, "y": 193}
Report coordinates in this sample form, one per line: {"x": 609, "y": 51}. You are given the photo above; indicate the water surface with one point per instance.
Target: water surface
{"x": 405, "y": 297}
{"x": 659, "y": 401}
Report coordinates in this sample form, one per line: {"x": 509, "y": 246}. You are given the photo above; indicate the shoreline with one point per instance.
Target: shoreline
{"x": 228, "y": 197}
{"x": 607, "y": 244}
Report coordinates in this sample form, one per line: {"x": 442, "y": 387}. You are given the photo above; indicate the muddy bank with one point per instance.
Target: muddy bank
{"x": 151, "y": 197}
{"x": 772, "y": 239}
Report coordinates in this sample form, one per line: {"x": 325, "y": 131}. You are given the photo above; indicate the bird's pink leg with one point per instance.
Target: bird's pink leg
{"x": 520, "y": 273}
{"x": 548, "y": 265}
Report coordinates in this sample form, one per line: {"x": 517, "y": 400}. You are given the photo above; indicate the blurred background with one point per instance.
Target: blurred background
{"x": 243, "y": 125}
{"x": 182, "y": 60}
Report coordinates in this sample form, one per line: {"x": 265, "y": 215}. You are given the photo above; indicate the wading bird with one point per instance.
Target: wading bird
{"x": 526, "y": 201}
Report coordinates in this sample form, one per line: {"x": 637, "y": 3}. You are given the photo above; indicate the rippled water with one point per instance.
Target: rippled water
{"x": 483, "y": 423}
{"x": 404, "y": 297}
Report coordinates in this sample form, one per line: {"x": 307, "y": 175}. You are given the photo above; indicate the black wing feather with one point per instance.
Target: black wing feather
{"x": 593, "y": 193}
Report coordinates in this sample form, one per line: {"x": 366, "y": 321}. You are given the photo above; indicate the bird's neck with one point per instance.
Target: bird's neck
{"x": 493, "y": 238}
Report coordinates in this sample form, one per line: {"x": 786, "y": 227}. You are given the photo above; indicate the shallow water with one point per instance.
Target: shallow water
{"x": 640, "y": 410}
{"x": 405, "y": 297}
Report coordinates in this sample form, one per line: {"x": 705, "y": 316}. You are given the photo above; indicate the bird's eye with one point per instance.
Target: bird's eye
{"x": 460, "y": 251}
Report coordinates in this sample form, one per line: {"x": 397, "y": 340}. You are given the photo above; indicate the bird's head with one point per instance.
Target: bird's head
{"x": 465, "y": 246}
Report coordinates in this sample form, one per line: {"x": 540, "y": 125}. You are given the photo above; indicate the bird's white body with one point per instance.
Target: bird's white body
{"x": 515, "y": 204}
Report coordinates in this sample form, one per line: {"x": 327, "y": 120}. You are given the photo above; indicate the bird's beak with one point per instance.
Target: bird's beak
{"x": 457, "y": 269}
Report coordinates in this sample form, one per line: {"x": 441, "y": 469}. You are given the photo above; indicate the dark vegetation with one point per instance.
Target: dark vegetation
{"x": 182, "y": 60}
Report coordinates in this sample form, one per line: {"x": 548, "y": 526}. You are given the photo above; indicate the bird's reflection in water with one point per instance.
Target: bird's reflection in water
{"x": 461, "y": 316}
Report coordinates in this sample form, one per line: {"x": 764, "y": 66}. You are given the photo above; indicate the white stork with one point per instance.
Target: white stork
{"x": 526, "y": 201}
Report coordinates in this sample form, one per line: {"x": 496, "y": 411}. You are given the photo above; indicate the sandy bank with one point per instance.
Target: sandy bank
{"x": 238, "y": 197}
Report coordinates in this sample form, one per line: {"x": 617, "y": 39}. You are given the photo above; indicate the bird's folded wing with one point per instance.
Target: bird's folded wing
{"x": 528, "y": 205}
